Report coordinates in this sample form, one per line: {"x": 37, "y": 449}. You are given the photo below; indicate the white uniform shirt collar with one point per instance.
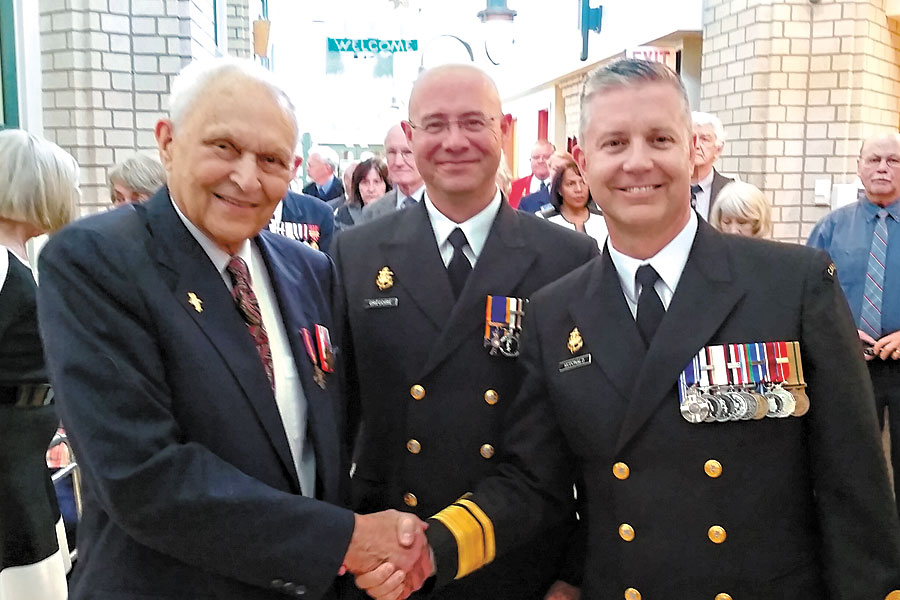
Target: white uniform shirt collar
{"x": 476, "y": 229}
{"x": 668, "y": 262}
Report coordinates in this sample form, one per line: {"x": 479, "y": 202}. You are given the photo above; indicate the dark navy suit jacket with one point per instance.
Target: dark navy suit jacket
{"x": 190, "y": 490}
{"x": 309, "y": 210}
{"x": 533, "y": 202}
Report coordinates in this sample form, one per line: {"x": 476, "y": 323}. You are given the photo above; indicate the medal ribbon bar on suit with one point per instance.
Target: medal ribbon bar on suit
{"x": 326, "y": 354}
{"x": 502, "y": 324}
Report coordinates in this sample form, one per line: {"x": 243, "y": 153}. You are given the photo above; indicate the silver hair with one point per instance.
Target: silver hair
{"x": 629, "y": 72}
{"x": 703, "y": 118}
{"x": 40, "y": 181}
{"x": 328, "y": 156}
{"x": 193, "y": 80}
{"x": 141, "y": 173}
{"x": 743, "y": 200}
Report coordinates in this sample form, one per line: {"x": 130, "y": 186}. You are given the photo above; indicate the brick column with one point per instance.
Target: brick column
{"x": 108, "y": 66}
{"x": 240, "y": 42}
{"x": 797, "y": 86}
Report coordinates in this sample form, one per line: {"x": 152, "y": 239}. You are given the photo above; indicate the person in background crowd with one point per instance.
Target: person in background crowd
{"x": 321, "y": 167}
{"x": 690, "y": 492}
{"x": 540, "y": 200}
{"x": 190, "y": 353}
{"x": 504, "y": 177}
{"x": 538, "y": 181}
{"x": 428, "y": 375}
{"x": 369, "y": 183}
{"x": 863, "y": 239}
{"x": 347, "y": 177}
{"x": 741, "y": 208}
{"x": 706, "y": 181}
{"x": 39, "y": 195}
{"x": 135, "y": 179}
{"x": 404, "y": 176}
{"x": 572, "y": 204}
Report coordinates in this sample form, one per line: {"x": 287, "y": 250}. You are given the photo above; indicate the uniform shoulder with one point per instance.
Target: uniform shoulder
{"x": 295, "y": 251}
{"x": 769, "y": 251}
{"x": 571, "y": 285}
{"x": 306, "y": 202}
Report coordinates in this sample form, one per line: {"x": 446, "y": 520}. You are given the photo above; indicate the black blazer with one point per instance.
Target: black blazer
{"x": 336, "y": 189}
{"x": 796, "y": 496}
{"x": 412, "y": 333}
{"x": 190, "y": 490}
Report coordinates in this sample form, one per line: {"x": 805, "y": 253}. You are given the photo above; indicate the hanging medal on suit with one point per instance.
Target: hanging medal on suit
{"x": 320, "y": 352}
{"x": 741, "y": 382}
{"x": 503, "y": 325}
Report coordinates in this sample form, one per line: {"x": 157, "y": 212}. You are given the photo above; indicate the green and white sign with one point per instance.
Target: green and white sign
{"x": 373, "y": 45}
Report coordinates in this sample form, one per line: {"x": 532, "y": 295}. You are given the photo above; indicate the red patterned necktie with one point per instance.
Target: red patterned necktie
{"x": 243, "y": 295}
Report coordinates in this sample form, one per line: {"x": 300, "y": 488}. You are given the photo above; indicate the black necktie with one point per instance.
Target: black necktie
{"x": 650, "y": 309}
{"x": 459, "y": 267}
{"x": 408, "y": 201}
{"x": 543, "y": 186}
{"x": 695, "y": 189}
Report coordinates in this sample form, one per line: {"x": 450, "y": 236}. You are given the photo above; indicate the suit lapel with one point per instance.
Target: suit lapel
{"x": 188, "y": 270}
{"x": 503, "y": 262}
{"x": 706, "y": 295}
{"x": 412, "y": 254}
{"x": 300, "y": 310}
{"x": 607, "y": 327}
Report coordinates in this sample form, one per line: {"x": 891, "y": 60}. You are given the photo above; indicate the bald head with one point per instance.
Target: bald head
{"x": 456, "y": 131}
{"x": 878, "y": 167}
{"x": 474, "y": 75}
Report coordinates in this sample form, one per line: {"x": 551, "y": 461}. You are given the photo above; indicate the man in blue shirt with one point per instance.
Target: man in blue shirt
{"x": 863, "y": 240}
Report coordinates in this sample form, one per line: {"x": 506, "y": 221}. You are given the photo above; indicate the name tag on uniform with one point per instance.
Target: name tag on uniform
{"x": 574, "y": 363}
{"x": 381, "y": 302}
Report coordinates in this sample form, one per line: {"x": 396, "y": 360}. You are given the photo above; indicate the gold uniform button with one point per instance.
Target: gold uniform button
{"x": 713, "y": 468}
{"x": 895, "y": 595}
{"x": 626, "y": 532}
{"x": 414, "y": 446}
{"x": 717, "y": 534}
{"x": 632, "y": 594}
{"x": 723, "y": 597}
{"x": 621, "y": 470}
{"x": 491, "y": 397}
{"x": 410, "y": 499}
{"x": 417, "y": 392}
{"x": 487, "y": 451}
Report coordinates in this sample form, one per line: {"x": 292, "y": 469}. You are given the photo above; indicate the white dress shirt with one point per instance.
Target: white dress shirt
{"x": 289, "y": 395}
{"x": 476, "y": 229}
{"x": 536, "y": 184}
{"x": 703, "y": 196}
{"x": 594, "y": 226}
{"x": 668, "y": 263}
{"x": 416, "y": 195}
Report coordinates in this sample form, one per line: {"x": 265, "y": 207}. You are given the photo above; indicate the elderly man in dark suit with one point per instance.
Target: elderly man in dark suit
{"x": 321, "y": 166}
{"x": 721, "y": 477}
{"x": 408, "y": 185}
{"x": 190, "y": 355}
{"x": 430, "y": 376}
{"x": 706, "y": 181}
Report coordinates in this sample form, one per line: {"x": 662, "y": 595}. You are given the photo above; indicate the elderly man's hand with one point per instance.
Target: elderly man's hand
{"x": 888, "y": 347}
{"x": 389, "y": 554}
{"x": 867, "y": 340}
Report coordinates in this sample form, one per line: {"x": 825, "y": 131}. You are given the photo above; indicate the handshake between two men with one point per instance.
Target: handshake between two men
{"x": 389, "y": 554}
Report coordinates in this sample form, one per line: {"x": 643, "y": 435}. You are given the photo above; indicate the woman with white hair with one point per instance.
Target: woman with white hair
{"x": 135, "y": 179}
{"x": 38, "y": 194}
{"x": 742, "y": 209}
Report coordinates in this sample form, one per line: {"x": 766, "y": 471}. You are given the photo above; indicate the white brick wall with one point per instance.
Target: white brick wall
{"x": 823, "y": 76}
{"x": 107, "y": 71}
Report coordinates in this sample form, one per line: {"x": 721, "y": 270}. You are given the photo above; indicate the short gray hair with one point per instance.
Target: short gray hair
{"x": 40, "y": 181}
{"x": 193, "y": 80}
{"x": 629, "y": 72}
{"x": 703, "y": 118}
{"x": 140, "y": 172}
{"x": 328, "y": 156}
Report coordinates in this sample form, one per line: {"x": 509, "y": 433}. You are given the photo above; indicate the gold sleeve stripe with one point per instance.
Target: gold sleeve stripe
{"x": 487, "y": 526}
{"x": 469, "y": 536}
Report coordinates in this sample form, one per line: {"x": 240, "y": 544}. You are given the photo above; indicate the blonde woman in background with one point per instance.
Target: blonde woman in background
{"x": 742, "y": 209}
{"x": 38, "y": 195}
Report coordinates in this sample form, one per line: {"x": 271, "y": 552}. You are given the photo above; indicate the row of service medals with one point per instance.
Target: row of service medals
{"x": 503, "y": 324}
{"x": 301, "y": 232}
{"x": 740, "y": 382}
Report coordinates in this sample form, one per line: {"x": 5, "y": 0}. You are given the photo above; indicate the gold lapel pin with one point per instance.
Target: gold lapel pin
{"x": 196, "y": 302}
{"x": 575, "y": 341}
{"x": 385, "y": 279}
